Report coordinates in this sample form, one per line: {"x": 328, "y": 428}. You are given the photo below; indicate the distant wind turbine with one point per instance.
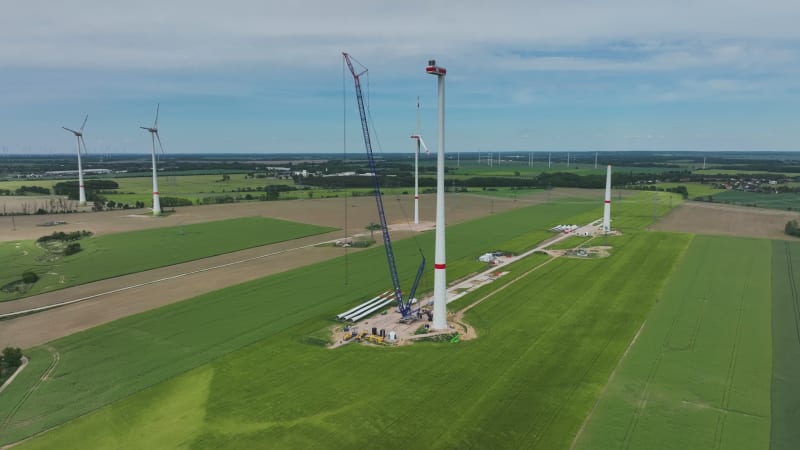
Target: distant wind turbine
{"x": 154, "y": 135}
{"x": 420, "y": 143}
{"x": 81, "y": 145}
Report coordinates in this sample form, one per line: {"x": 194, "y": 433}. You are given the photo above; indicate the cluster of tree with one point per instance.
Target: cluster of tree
{"x": 342, "y": 182}
{"x": 65, "y": 237}
{"x": 273, "y": 191}
{"x": 92, "y": 188}
{"x": 24, "y": 190}
{"x": 763, "y": 166}
{"x": 792, "y": 228}
{"x": 10, "y": 360}
{"x": 171, "y": 202}
{"x": 215, "y": 199}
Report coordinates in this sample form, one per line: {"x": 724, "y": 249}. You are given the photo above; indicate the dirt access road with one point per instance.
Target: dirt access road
{"x": 729, "y": 220}
{"x": 138, "y": 292}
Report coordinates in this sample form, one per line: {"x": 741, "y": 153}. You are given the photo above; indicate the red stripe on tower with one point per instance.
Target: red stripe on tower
{"x": 608, "y": 201}
{"x": 155, "y": 193}
{"x": 438, "y": 266}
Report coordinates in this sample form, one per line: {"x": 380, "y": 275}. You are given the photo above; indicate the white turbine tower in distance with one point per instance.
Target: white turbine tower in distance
{"x": 154, "y": 135}
{"x": 420, "y": 143}
{"x": 81, "y": 146}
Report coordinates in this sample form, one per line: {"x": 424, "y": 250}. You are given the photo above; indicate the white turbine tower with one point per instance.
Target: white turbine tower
{"x": 81, "y": 145}
{"x": 420, "y": 143}
{"x": 607, "y": 203}
{"x": 440, "y": 272}
{"x": 154, "y": 135}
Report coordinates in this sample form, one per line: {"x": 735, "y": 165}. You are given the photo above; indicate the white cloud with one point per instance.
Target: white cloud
{"x": 306, "y": 34}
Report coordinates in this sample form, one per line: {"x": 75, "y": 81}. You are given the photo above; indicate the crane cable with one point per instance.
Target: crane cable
{"x": 344, "y": 165}
{"x": 374, "y": 131}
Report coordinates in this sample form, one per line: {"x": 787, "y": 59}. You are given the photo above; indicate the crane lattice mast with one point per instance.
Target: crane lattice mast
{"x": 404, "y": 307}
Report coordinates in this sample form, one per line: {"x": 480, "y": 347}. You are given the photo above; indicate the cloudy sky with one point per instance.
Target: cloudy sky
{"x": 267, "y": 76}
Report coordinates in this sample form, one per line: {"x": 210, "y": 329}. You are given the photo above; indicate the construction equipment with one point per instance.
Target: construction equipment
{"x": 403, "y": 305}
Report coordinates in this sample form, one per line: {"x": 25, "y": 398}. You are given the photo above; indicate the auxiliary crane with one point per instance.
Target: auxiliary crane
{"x": 403, "y": 306}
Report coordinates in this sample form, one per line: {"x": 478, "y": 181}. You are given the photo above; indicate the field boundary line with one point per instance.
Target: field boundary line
{"x": 625, "y": 354}
{"x": 11, "y": 315}
{"x": 608, "y": 382}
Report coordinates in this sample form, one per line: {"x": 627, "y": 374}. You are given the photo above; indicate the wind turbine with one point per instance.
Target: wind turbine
{"x": 420, "y": 143}
{"x": 154, "y": 135}
{"x": 81, "y": 144}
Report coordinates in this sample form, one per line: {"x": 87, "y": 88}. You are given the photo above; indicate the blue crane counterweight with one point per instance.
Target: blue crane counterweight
{"x": 403, "y": 306}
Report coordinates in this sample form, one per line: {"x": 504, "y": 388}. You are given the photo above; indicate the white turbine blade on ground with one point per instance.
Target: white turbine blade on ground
{"x": 84, "y": 122}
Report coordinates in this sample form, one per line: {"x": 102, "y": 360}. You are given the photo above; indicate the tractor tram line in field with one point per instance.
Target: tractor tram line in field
{"x": 793, "y": 289}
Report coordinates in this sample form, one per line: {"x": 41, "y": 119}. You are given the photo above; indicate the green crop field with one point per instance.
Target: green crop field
{"x": 122, "y": 253}
{"x": 699, "y": 374}
{"x": 511, "y": 387}
{"x": 695, "y": 189}
{"x": 785, "y": 201}
{"x": 248, "y": 340}
{"x": 507, "y": 192}
{"x": 95, "y": 366}
{"x": 785, "y": 433}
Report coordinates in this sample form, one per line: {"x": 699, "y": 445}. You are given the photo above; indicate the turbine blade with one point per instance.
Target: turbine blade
{"x": 71, "y": 131}
{"x": 159, "y": 143}
{"x": 427, "y": 152}
{"x": 155, "y": 124}
{"x": 84, "y": 122}
{"x": 85, "y": 152}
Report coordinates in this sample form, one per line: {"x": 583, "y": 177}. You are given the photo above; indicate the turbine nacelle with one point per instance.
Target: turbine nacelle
{"x": 154, "y": 131}
{"x": 421, "y": 142}
{"x": 79, "y": 134}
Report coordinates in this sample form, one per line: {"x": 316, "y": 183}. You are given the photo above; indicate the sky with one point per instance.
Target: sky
{"x": 255, "y": 76}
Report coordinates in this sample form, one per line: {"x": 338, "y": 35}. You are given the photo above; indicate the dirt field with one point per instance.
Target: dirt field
{"x": 39, "y": 328}
{"x": 713, "y": 218}
{"x": 327, "y": 212}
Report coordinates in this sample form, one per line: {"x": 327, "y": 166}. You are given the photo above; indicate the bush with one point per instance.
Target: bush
{"x": 792, "y": 228}
{"x": 61, "y": 236}
{"x": 12, "y": 357}
{"x": 29, "y": 277}
{"x": 171, "y": 202}
{"x": 72, "y": 248}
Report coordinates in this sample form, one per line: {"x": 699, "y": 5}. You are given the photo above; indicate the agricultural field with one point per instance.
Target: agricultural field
{"x": 695, "y": 189}
{"x": 698, "y": 376}
{"x": 785, "y": 433}
{"x": 242, "y": 345}
{"x": 507, "y": 192}
{"x": 784, "y": 201}
{"x": 213, "y": 325}
{"x": 122, "y": 253}
{"x": 766, "y": 174}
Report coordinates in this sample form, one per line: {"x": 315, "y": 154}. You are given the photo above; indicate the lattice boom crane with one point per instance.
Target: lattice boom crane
{"x": 403, "y": 306}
